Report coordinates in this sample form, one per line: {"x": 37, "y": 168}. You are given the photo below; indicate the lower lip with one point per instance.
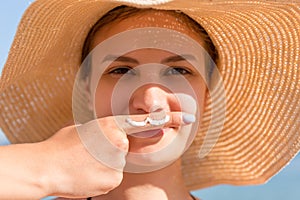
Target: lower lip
{"x": 149, "y": 134}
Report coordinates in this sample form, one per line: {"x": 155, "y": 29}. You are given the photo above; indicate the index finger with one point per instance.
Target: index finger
{"x": 175, "y": 119}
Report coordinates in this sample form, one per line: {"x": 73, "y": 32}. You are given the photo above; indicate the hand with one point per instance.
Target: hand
{"x": 73, "y": 172}
{"x": 76, "y": 171}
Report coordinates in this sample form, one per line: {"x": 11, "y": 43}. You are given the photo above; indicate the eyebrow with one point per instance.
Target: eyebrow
{"x": 178, "y": 58}
{"x": 134, "y": 61}
{"x": 120, "y": 59}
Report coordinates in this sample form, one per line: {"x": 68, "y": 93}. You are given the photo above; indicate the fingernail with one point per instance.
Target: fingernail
{"x": 188, "y": 118}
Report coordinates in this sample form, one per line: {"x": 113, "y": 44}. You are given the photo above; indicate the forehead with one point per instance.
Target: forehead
{"x": 148, "y": 18}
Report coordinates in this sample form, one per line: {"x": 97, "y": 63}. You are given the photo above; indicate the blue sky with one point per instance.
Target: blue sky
{"x": 285, "y": 185}
{"x": 10, "y": 14}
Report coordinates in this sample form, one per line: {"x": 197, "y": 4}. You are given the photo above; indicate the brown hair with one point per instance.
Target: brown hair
{"x": 122, "y": 12}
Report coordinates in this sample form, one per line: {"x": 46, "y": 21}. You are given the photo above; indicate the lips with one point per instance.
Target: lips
{"x": 149, "y": 133}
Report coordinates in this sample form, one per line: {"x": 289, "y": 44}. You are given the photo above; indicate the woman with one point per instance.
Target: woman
{"x": 256, "y": 118}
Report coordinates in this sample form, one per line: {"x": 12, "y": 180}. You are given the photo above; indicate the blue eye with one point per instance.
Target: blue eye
{"x": 122, "y": 70}
{"x": 177, "y": 71}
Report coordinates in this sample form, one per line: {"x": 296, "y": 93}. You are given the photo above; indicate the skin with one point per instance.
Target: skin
{"x": 50, "y": 167}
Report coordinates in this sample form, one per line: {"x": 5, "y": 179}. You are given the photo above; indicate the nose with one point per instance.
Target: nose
{"x": 152, "y": 98}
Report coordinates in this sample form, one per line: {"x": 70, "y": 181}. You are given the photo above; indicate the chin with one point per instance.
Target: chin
{"x": 149, "y": 162}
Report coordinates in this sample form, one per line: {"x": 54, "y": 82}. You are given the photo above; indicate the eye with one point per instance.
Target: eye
{"x": 177, "y": 71}
{"x": 121, "y": 70}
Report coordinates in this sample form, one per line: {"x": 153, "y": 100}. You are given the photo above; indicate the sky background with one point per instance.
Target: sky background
{"x": 285, "y": 185}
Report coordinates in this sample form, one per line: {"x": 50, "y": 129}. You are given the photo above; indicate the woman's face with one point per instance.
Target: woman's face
{"x": 153, "y": 94}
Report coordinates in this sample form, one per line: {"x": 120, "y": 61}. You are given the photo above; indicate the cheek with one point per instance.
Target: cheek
{"x": 102, "y": 99}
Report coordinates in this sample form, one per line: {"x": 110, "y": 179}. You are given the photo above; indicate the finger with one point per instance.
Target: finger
{"x": 174, "y": 119}
{"x": 180, "y": 118}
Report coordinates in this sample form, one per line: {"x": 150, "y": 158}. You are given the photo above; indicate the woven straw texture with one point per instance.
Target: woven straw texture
{"x": 259, "y": 47}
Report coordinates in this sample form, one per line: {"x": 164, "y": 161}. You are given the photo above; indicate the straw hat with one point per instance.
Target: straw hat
{"x": 259, "y": 48}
